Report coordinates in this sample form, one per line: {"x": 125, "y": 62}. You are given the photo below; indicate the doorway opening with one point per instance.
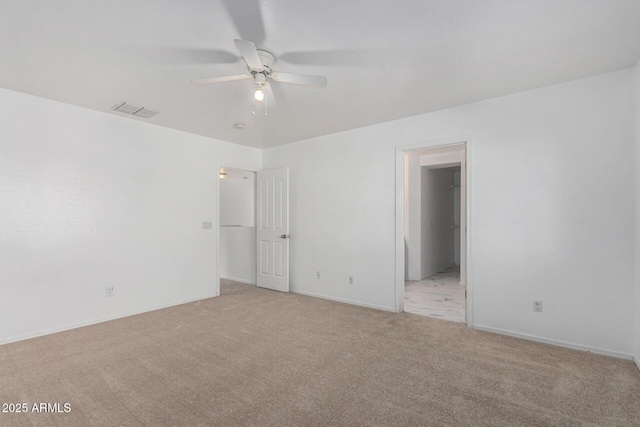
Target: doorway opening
{"x": 431, "y": 238}
{"x": 432, "y": 281}
{"x": 237, "y": 232}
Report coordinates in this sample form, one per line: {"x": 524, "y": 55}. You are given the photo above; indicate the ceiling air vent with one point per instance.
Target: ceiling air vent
{"x": 134, "y": 110}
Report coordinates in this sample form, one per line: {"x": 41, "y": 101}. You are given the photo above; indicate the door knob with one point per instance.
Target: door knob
{"x": 284, "y": 236}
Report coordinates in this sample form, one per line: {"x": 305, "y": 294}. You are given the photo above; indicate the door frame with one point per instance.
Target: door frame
{"x": 216, "y": 223}
{"x": 400, "y": 232}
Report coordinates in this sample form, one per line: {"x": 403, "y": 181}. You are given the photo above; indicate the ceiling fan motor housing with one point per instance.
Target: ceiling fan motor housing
{"x": 260, "y": 76}
{"x": 267, "y": 60}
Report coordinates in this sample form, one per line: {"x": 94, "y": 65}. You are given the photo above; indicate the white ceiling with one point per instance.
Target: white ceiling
{"x": 384, "y": 60}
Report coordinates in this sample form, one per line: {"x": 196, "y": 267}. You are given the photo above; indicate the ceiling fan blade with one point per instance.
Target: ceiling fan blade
{"x": 138, "y": 55}
{"x": 246, "y": 15}
{"x": 249, "y": 53}
{"x": 269, "y": 98}
{"x": 300, "y": 79}
{"x": 219, "y": 79}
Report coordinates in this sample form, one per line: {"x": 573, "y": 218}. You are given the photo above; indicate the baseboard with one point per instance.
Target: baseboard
{"x": 344, "y": 300}
{"x": 99, "y": 320}
{"x": 559, "y": 343}
{"x": 637, "y": 362}
{"x": 235, "y": 279}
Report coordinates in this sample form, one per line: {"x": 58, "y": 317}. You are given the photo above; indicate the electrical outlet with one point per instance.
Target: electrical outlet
{"x": 206, "y": 225}
{"x": 108, "y": 291}
{"x": 318, "y": 275}
{"x": 537, "y": 306}
{"x": 351, "y": 280}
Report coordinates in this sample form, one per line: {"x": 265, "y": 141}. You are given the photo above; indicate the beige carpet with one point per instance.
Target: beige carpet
{"x": 262, "y": 358}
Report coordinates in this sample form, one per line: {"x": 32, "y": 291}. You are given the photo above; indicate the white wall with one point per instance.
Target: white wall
{"x": 552, "y": 188}
{"x": 436, "y": 219}
{"x": 90, "y": 200}
{"x": 637, "y": 211}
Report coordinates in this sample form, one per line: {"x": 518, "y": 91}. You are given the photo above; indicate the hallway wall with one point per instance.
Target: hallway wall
{"x": 436, "y": 218}
{"x": 238, "y": 254}
{"x": 413, "y": 221}
{"x": 457, "y": 220}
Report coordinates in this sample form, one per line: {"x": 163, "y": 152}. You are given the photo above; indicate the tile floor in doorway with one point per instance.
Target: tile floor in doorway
{"x": 439, "y": 296}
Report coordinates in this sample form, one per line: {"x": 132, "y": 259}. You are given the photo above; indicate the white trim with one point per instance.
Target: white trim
{"x": 401, "y": 150}
{"x": 637, "y": 362}
{"x": 101, "y": 320}
{"x": 248, "y": 282}
{"x": 343, "y": 300}
{"x": 559, "y": 343}
{"x": 469, "y": 164}
{"x": 400, "y": 268}
{"x": 216, "y": 209}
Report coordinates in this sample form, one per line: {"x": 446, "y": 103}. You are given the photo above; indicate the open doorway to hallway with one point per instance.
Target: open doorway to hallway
{"x": 237, "y": 233}
{"x": 434, "y": 224}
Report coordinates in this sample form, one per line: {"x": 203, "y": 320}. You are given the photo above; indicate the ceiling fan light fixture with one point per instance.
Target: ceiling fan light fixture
{"x": 259, "y": 66}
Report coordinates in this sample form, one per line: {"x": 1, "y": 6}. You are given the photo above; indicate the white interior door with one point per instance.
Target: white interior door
{"x": 273, "y": 229}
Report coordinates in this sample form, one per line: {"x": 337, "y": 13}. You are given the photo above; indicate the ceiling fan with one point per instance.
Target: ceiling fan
{"x": 259, "y": 64}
